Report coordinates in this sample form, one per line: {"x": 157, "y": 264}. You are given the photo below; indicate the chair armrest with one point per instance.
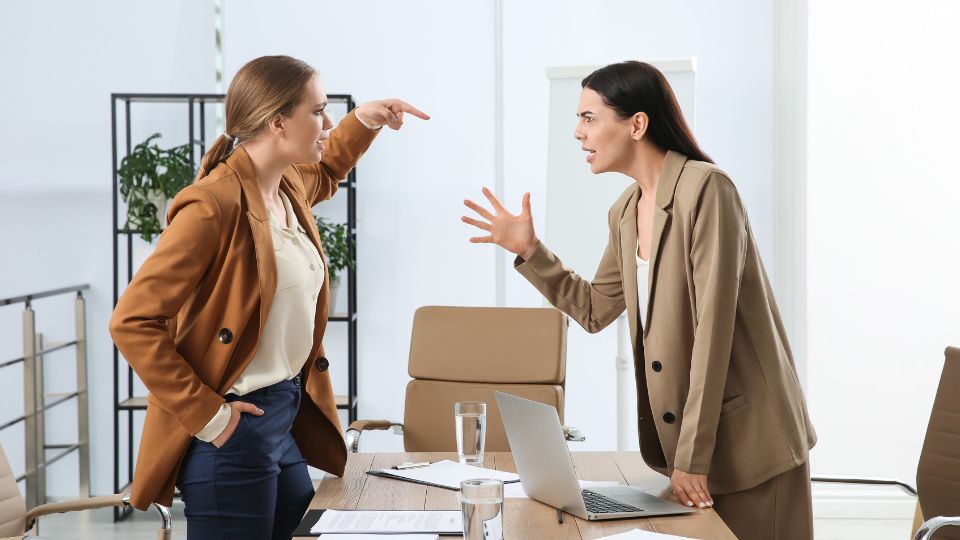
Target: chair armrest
{"x": 866, "y": 481}
{"x": 931, "y": 525}
{"x": 362, "y": 425}
{"x": 106, "y": 501}
{"x": 357, "y": 427}
{"x": 573, "y": 434}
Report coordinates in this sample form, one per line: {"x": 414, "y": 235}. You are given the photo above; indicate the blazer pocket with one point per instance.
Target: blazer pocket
{"x": 732, "y": 403}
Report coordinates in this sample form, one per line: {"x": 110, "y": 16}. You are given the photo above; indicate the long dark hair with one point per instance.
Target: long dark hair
{"x": 631, "y": 87}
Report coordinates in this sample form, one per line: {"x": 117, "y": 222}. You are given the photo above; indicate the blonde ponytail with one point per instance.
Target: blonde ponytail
{"x": 218, "y": 152}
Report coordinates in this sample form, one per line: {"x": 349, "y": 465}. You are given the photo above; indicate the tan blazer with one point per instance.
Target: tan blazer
{"x": 717, "y": 389}
{"x": 190, "y": 320}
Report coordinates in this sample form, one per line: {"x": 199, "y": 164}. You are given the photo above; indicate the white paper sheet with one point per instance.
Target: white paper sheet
{"x": 515, "y": 491}
{"x": 389, "y": 521}
{"x": 451, "y": 473}
{"x": 638, "y": 534}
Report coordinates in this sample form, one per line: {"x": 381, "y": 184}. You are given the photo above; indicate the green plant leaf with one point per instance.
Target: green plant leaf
{"x": 150, "y": 169}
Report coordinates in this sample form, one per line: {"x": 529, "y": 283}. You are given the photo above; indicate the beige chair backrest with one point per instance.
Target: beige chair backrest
{"x": 938, "y": 473}
{"x": 13, "y": 510}
{"x": 468, "y": 353}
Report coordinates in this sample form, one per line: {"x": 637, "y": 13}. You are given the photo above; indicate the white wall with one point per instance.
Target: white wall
{"x": 882, "y": 241}
{"x": 60, "y": 64}
{"x": 733, "y": 45}
{"x": 441, "y": 162}
{"x": 411, "y": 251}
{"x": 412, "y": 247}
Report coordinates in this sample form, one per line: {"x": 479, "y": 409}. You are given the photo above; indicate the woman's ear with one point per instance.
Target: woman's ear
{"x": 276, "y": 124}
{"x": 639, "y": 124}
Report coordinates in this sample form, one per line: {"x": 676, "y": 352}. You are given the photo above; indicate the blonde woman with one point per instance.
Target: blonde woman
{"x": 720, "y": 408}
{"x": 224, "y": 322}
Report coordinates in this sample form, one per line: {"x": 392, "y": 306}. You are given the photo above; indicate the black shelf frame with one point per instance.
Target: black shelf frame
{"x": 130, "y": 404}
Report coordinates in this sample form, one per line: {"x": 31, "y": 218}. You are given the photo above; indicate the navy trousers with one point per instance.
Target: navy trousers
{"x": 255, "y": 486}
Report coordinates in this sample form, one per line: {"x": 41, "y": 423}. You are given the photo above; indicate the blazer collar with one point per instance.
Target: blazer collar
{"x": 669, "y": 176}
{"x": 241, "y": 163}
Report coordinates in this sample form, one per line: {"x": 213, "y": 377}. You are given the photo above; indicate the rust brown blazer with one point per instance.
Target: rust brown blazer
{"x": 718, "y": 391}
{"x": 190, "y": 320}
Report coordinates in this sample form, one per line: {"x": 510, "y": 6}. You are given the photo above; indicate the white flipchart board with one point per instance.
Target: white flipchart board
{"x": 578, "y": 201}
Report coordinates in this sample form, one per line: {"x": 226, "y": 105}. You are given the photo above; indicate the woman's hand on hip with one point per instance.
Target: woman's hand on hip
{"x": 513, "y": 233}
{"x": 387, "y": 112}
{"x": 236, "y": 409}
{"x": 691, "y": 489}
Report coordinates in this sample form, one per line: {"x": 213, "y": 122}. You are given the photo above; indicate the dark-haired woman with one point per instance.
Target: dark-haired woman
{"x": 720, "y": 408}
{"x": 224, "y": 322}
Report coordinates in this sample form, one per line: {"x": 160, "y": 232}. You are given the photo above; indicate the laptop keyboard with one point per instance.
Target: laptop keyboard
{"x": 600, "y": 504}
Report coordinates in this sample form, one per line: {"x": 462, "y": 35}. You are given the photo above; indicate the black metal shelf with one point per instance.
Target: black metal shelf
{"x": 126, "y": 403}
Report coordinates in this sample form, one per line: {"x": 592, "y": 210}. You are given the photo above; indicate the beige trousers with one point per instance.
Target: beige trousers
{"x": 778, "y": 509}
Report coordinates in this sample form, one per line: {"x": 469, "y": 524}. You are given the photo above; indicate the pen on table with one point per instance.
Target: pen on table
{"x": 403, "y": 466}
{"x": 560, "y": 517}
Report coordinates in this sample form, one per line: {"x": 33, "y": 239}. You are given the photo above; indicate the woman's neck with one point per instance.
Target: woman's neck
{"x": 646, "y": 167}
{"x": 269, "y": 170}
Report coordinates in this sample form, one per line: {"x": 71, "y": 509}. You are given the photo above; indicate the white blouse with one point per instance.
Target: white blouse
{"x": 287, "y": 336}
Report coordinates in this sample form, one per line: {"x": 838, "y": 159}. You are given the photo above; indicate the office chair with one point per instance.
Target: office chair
{"x": 16, "y": 521}
{"x": 467, "y": 354}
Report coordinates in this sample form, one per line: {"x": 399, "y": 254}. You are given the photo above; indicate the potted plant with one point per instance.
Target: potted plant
{"x": 149, "y": 177}
{"x": 336, "y": 244}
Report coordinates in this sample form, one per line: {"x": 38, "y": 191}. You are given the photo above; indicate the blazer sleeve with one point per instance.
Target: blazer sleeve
{"x": 718, "y": 250}
{"x": 347, "y": 143}
{"x": 593, "y": 304}
{"x": 139, "y": 325}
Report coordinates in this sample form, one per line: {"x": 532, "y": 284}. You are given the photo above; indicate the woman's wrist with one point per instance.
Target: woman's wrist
{"x": 527, "y": 253}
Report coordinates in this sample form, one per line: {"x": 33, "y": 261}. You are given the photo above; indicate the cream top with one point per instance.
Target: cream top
{"x": 643, "y": 294}
{"x": 287, "y": 336}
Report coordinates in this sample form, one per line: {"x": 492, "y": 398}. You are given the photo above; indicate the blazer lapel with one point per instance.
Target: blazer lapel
{"x": 258, "y": 217}
{"x": 669, "y": 176}
{"x": 628, "y": 255}
{"x": 304, "y": 216}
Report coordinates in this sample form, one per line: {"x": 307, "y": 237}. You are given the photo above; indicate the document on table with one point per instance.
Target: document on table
{"x": 638, "y": 534}
{"x": 515, "y": 491}
{"x": 389, "y": 522}
{"x": 446, "y": 474}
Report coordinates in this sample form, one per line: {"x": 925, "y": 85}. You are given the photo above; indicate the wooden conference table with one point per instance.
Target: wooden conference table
{"x": 522, "y": 518}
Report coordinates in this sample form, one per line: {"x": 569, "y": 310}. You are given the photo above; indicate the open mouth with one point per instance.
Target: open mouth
{"x": 590, "y": 154}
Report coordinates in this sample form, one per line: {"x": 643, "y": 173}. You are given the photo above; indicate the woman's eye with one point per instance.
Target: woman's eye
{"x": 587, "y": 119}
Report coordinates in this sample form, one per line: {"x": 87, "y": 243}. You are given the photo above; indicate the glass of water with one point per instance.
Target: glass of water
{"x": 481, "y": 501}
{"x": 471, "y": 419}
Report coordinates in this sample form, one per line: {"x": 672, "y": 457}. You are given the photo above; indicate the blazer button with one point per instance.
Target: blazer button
{"x": 226, "y": 336}
{"x": 323, "y": 364}
{"x": 669, "y": 418}
{"x": 657, "y": 366}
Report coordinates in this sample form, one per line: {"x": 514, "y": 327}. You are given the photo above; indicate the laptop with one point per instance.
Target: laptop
{"x": 546, "y": 470}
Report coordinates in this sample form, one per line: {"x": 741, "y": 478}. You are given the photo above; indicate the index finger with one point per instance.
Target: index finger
{"x": 406, "y": 107}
